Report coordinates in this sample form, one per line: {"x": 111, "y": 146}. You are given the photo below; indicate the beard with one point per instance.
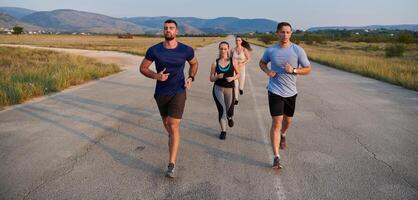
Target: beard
{"x": 168, "y": 37}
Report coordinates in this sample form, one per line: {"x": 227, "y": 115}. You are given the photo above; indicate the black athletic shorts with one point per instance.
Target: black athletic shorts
{"x": 281, "y": 105}
{"x": 171, "y": 105}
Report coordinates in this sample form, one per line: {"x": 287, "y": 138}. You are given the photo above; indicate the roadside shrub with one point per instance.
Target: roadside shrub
{"x": 267, "y": 38}
{"x": 406, "y": 38}
{"x": 309, "y": 42}
{"x": 395, "y": 50}
{"x": 370, "y": 48}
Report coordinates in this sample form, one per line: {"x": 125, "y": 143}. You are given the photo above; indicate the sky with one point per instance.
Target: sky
{"x": 302, "y": 14}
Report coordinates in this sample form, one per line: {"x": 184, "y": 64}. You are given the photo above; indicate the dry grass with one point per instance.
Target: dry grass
{"x": 27, "y": 73}
{"x": 398, "y": 71}
{"x": 367, "y": 59}
{"x": 136, "y": 46}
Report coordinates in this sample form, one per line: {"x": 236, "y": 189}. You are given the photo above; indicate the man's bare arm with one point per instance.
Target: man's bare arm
{"x": 263, "y": 66}
{"x": 144, "y": 69}
{"x": 194, "y": 65}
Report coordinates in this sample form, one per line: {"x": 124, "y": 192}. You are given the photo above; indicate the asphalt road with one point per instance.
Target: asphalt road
{"x": 352, "y": 138}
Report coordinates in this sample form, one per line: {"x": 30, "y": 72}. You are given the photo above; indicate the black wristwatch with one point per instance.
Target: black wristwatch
{"x": 192, "y": 78}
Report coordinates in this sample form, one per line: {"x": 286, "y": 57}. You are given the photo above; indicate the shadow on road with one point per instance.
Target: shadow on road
{"x": 120, "y": 157}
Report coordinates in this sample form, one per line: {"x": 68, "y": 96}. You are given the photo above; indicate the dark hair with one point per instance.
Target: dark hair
{"x": 244, "y": 43}
{"x": 170, "y": 21}
{"x": 227, "y": 44}
{"x": 223, "y": 42}
{"x": 281, "y": 24}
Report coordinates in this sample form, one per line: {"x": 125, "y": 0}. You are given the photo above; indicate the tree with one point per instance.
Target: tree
{"x": 17, "y": 30}
{"x": 406, "y": 37}
{"x": 267, "y": 38}
{"x": 395, "y": 50}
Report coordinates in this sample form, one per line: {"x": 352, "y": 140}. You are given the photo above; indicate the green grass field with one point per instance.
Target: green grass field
{"x": 27, "y": 73}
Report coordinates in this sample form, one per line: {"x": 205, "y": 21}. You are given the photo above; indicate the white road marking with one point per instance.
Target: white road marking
{"x": 277, "y": 183}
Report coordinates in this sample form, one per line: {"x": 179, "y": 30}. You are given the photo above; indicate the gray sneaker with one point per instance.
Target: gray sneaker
{"x": 276, "y": 163}
{"x": 170, "y": 171}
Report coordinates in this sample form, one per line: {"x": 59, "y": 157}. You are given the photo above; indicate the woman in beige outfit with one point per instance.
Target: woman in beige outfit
{"x": 240, "y": 55}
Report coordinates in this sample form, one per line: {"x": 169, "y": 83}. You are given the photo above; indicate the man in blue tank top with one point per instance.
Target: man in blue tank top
{"x": 287, "y": 61}
{"x": 170, "y": 91}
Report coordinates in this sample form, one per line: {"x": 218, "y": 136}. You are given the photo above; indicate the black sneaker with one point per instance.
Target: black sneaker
{"x": 276, "y": 163}
{"x": 170, "y": 171}
{"x": 222, "y": 136}
{"x": 230, "y": 122}
{"x": 241, "y": 92}
{"x": 236, "y": 102}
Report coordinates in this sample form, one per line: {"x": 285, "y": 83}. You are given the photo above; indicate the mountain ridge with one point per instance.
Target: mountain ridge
{"x": 406, "y": 27}
{"x": 16, "y": 12}
{"x": 69, "y": 20}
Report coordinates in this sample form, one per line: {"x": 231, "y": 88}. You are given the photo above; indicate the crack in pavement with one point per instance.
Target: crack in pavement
{"x": 382, "y": 161}
{"x": 62, "y": 170}
{"x": 374, "y": 155}
{"x": 357, "y": 138}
